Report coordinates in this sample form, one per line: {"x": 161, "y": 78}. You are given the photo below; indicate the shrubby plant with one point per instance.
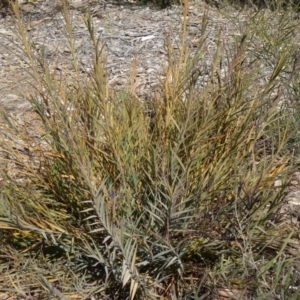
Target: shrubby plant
{"x": 171, "y": 198}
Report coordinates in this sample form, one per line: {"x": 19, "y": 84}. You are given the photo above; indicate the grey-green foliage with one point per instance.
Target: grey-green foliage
{"x": 160, "y": 199}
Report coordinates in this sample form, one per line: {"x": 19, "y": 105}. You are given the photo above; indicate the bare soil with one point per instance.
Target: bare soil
{"x": 132, "y": 36}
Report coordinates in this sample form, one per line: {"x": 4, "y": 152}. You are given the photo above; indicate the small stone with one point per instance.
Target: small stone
{"x": 278, "y": 183}
{"x": 296, "y": 176}
{"x": 27, "y": 7}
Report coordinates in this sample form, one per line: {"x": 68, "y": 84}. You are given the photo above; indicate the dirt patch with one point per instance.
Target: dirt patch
{"x": 132, "y": 35}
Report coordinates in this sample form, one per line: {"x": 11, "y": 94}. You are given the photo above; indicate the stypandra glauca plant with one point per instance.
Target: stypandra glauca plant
{"x": 170, "y": 198}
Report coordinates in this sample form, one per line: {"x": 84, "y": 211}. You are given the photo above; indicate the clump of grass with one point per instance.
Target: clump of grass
{"x": 274, "y": 40}
{"x": 166, "y": 199}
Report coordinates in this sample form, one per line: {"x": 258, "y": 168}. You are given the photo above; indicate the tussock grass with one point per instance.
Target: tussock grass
{"x": 172, "y": 198}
